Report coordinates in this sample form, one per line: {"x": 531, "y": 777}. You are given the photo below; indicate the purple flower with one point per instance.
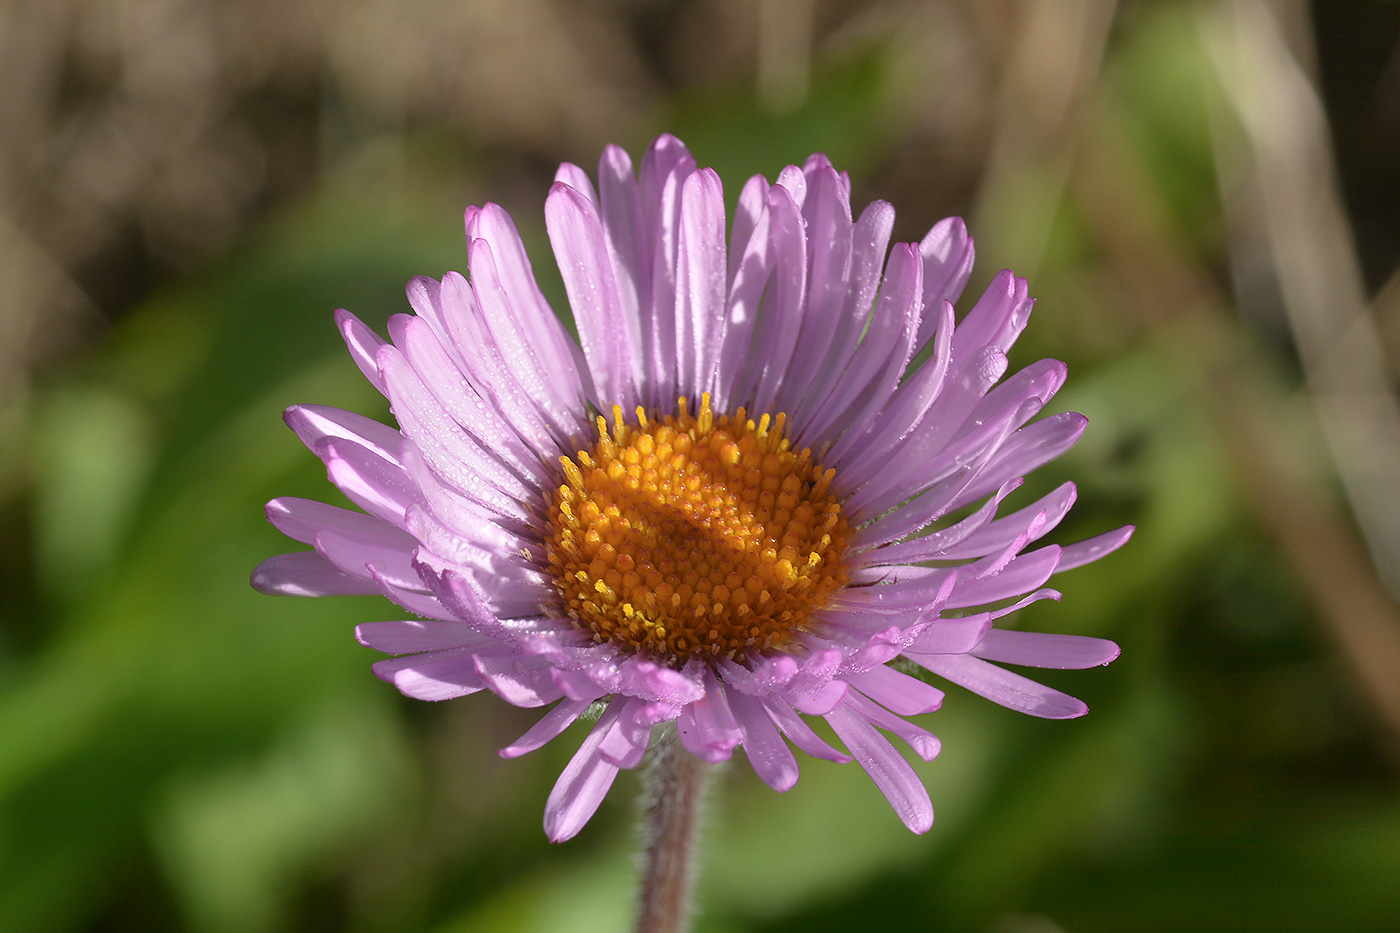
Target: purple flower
{"x": 764, "y": 472}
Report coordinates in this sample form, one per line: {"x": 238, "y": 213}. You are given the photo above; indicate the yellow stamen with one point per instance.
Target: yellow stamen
{"x": 696, "y": 534}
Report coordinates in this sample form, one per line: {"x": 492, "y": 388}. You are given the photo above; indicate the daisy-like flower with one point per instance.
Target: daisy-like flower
{"x": 770, "y": 466}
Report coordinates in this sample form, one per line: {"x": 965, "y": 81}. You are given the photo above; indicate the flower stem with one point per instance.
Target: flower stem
{"x": 675, "y": 790}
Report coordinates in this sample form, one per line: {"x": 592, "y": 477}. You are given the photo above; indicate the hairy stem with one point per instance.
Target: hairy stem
{"x": 675, "y": 789}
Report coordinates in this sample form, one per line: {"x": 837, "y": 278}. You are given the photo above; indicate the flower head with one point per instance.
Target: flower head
{"x": 763, "y": 472}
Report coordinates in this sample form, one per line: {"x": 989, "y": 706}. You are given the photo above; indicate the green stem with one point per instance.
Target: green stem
{"x": 675, "y": 790}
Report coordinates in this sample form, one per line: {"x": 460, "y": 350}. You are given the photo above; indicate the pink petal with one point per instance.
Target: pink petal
{"x": 363, "y": 343}
{"x": 870, "y": 240}
{"x": 300, "y": 519}
{"x": 886, "y": 767}
{"x": 827, "y": 212}
{"x": 440, "y": 675}
{"x": 316, "y": 423}
{"x": 947, "y": 254}
{"x": 486, "y": 403}
{"x": 768, "y": 754}
{"x": 801, "y": 734}
{"x": 898, "y": 692}
{"x": 888, "y": 344}
{"x": 549, "y": 727}
{"x": 1029, "y": 448}
{"x": 924, "y": 743}
{"x": 611, "y": 342}
{"x": 1001, "y": 686}
{"x": 700, "y": 284}
{"x": 707, "y": 726}
{"x": 949, "y": 636}
{"x": 547, "y": 380}
{"x": 780, "y": 313}
{"x": 519, "y": 681}
{"x": 907, "y": 406}
{"x": 1004, "y": 530}
{"x": 583, "y": 784}
{"x": 753, "y": 201}
{"x": 1039, "y": 649}
{"x": 1023, "y": 574}
{"x": 751, "y": 266}
{"x": 997, "y": 319}
{"x": 359, "y": 553}
{"x": 412, "y": 636}
{"x": 449, "y": 451}
{"x": 665, "y": 167}
{"x": 374, "y": 484}
{"x": 1091, "y": 549}
{"x": 307, "y": 573}
{"x": 570, "y": 174}
{"x": 534, "y": 317}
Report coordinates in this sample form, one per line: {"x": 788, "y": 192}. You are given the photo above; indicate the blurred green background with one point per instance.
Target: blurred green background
{"x": 1204, "y": 196}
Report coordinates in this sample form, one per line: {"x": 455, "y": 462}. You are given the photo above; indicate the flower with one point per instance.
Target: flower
{"x": 763, "y": 472}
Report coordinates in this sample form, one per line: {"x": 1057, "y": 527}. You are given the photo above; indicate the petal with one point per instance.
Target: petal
{"x": 801, "y": 734}
{"x": 947, "y": 255}
{"x": 1022, "y": 574}
{"x": 869, "y": 241}
{"x": 485, "y": 400}
{"x": 376, "y": 485}
{"x": 363, "y": 343}
{"x": 583, "y": 784}
{"x": 439, "y": 675}
{"x": 611, "y": 341}
{"x": 549, "y": 727}
{"x": 315, "y": 423}
{"x": 626, "y": 742}
{"x": 751, "y": 261}
{"x": 520, "y": 681}
{"x": 533, "y": 316}
{"x": 997, "y": 319}
{"x": 620, "y": 205}
{"x": 896, "y": 691}
{"x": 886, "y": 767}
{"x": 753, "y": 201}
{"x": 1002, "y": 531}
{"x": 907, "y": 405}
{"x": 919, "y": 467}
{"x": 827, "y": 213}
{"x": 700, "y": 283}
{"x": 1039, "y": 649}
{"x": 949, "y": 636}
{"x": 451, "y": 453}
{"x": 307, "y": 573}
{"x": 570, "y": 174}
{"x": 950, "y": 540}
{"x": 665, "y": 167}
{"x": 924, "y": 743}
{"x": 415, "y": 635}
{"x": 875, "y": 369}
{"x": 1030, "y": 447}
{"x": 780, "y": 312}
{"x": 768, "y": 754}
{"x": 1001, "y": 686}
{"x": 707, "y": 727}
{"x": 300, "y": 519}
{"x": 357, "y": 554}
{"x": 1091, "y": 549}
{"x": 525, "y": 334}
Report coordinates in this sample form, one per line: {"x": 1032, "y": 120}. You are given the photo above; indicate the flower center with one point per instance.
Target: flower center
{"x": 698, "y": 535}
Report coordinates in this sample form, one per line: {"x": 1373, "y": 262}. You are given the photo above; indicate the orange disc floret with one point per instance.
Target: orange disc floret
{"x": 695, "y": 535}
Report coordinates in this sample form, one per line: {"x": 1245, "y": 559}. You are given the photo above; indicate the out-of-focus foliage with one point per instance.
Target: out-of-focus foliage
{"x": 178, "y": 752}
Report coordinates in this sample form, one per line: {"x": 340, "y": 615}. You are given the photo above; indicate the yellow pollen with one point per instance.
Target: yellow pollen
{"x": 697, "y": 534}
